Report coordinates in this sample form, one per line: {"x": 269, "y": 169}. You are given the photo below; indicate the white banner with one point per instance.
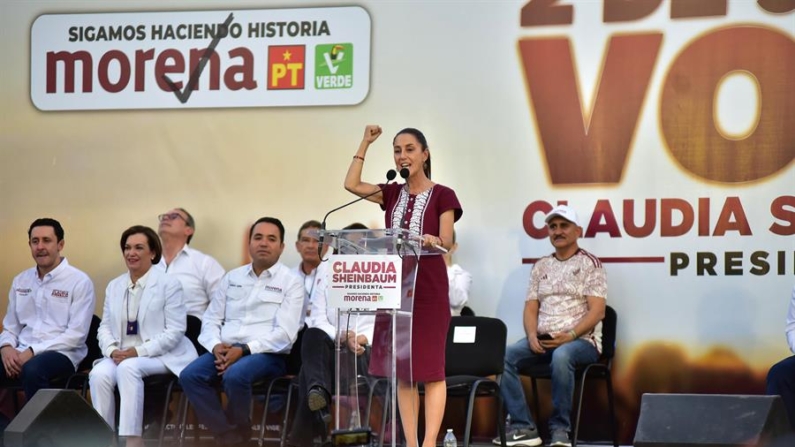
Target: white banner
{"x": 197, "y": 59}
{"x": 364, "y": 281}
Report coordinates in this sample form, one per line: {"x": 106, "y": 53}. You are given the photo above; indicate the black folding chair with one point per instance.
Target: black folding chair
{"x": 475, "y": 351}
{"x": 77, "y": 381}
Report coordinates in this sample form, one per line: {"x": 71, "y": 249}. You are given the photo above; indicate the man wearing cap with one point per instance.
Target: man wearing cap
{"x": 563, "y": 311}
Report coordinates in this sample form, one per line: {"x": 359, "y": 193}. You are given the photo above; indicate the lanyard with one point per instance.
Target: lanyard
{"x": 312, "y": 287}
{"x": 132, "y": 325}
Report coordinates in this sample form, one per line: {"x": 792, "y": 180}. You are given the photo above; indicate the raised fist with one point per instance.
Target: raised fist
{"x": 372, "y": 132}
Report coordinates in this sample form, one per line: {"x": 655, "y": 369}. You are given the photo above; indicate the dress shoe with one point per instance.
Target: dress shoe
{"x": 317, "y": 398}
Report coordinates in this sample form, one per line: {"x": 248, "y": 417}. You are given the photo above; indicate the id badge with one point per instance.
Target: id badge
{"x": 132, "y": 327}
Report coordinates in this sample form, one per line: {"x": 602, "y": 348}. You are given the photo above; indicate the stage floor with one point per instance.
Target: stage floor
{"x": 211, "y": 443}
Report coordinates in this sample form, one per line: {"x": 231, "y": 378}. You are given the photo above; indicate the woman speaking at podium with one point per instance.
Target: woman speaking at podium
{"x": 428, "y": 209}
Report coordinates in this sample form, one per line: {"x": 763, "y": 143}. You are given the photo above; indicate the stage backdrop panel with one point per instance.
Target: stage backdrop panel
{"x": 667, "y": 124}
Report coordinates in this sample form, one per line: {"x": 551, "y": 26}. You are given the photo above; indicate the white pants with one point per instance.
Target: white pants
{"x": 128, "y": 376}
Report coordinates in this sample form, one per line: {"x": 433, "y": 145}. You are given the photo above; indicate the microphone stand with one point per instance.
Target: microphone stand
{"x": 390, "y": 175}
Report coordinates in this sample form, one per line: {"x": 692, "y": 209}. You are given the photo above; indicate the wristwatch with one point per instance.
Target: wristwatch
{"x": 245, "y": 348}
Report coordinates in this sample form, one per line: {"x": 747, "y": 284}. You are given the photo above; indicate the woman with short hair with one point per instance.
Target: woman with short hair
{"x": 142, "y": 333}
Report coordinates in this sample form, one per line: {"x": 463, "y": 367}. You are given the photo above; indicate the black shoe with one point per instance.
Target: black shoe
{"x": 234, "y": 438}
{"x": 317, "y": 398}
{"x": 152, "y": 431}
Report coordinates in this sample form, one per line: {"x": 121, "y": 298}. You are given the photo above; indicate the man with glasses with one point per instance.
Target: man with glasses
{"x": 199, "y": 273}
{"x": 306, "y": 270}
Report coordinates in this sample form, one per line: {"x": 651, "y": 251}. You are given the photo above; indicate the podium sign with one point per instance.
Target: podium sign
{"x": 364, "y": 281}
{"x": 372, "y": 275}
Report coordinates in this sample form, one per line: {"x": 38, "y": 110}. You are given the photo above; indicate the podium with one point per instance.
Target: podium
{"x": 372, "y": 275}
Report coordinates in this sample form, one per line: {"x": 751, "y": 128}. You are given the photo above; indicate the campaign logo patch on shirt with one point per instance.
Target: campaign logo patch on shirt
{"x": 60, "y": 293}
{"x": 273, "y": 289}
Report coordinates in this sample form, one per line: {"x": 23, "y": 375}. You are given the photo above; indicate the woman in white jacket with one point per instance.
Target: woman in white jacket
{"x": 142, "y": 333}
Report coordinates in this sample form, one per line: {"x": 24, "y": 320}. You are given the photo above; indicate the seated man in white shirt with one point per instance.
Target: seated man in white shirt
{"x": 49, "y": 312}
{"x": 459, "y": 281}
{"x": 316, "y": 379}
{"x": 198, "y": 273}
{"x": 248, "y": 329}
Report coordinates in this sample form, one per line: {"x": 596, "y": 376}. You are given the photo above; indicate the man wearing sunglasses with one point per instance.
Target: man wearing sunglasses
{"x": 199, "y": 273}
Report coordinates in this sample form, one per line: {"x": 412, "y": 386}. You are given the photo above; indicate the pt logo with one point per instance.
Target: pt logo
{"x": 334, "y": 66}
{"x": 286, "y": 67}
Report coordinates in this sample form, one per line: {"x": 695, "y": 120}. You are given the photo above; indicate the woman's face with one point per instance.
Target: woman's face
{"x": 409, "y": 153}
{"x": 137, "y": 253}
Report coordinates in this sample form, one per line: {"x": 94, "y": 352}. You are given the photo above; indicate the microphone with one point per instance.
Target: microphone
{"x": 404, "y": 173}
{"x": 390, "y": 175}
